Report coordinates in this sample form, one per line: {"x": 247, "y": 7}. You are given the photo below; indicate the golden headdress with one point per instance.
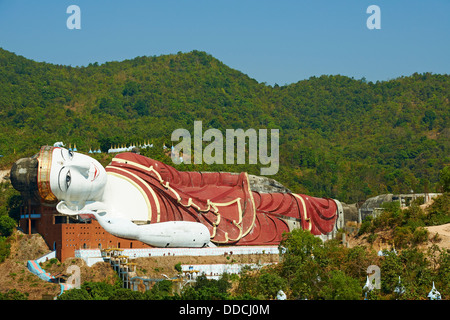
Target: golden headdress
{"x": 43, "y": 177}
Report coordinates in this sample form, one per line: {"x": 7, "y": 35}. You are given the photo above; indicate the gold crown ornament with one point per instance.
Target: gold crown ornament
{"x": 43, "y": 178}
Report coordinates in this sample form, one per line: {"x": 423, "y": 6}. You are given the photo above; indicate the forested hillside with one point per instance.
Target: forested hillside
{"x": 339, "y": 137}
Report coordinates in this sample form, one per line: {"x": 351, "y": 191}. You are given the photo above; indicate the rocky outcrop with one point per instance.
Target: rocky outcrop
{"x": 265, "y": 185}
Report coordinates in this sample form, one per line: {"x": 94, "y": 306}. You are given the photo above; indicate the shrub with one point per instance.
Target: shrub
{"x": 420, "y": 235}
{"x": 439, "y": 211}
{"x": 402, "y": 236}
{"x": 13, "y": 294}
{"x": 372, "y": 237}
{"x": 366, "y": 226}
{"x": 4, "y": 249}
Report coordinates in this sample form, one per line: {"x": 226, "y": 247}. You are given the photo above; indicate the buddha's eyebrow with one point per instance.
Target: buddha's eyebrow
{"x": 62, "y": 155}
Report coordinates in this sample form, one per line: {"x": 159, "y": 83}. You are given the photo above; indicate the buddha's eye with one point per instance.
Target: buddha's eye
{"x": 68, "y": 179}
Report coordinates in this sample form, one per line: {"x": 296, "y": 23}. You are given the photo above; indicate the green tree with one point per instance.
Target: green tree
{"x": 429, "y": 118}
{"x": 440, "y": 263}
{"x": 126, "y": 294}
{"x": 208, "y": 289}
{"x": 338, "y": 286}
{"x": 142, "y": 108}
{"x": 75, "y": 294}
{"x": 417, "y": 273}
{"x": 100, "y": 290}
{"x": 131, "y": 88}
{"x": 160, "y": 290}
{"x": 7, "y": 225}
{"x": 391, "y": 268}
{"x": 299, "y": 252}
{"x": 444, "y": 178}
{"x": 269, "y": 282}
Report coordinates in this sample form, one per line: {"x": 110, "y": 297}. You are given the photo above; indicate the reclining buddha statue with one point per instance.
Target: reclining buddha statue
{"x": 136, "y": 197}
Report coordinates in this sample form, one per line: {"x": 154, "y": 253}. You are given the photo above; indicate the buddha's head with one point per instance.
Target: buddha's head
{"x": 63, "y": 175}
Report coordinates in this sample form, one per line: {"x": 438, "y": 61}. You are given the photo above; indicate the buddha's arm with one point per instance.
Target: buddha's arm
{"x": 163, "y": 234}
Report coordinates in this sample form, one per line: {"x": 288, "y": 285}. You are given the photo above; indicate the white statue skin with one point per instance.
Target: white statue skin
{"x": 162, "y": 234}
{"x": 83, "y": 187}
{"x": 75, "y": 177}
{"x": 81, "y": 183}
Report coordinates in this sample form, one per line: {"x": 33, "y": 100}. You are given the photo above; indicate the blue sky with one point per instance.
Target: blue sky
{"x": 271, "y": 41}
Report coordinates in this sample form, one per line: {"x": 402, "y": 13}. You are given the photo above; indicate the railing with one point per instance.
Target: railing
{"x": 34, "y": 267}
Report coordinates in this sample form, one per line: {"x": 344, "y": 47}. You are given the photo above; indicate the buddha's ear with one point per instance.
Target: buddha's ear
{"x": 72, "y": 208}
{"x": 67, "y": 207}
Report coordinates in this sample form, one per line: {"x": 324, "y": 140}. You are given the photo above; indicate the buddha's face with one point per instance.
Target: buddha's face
{"x": 76, "y": 177}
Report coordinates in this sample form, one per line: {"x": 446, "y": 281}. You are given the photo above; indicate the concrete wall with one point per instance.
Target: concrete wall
{"x": 94, "y": 255}
{"x": 373, "y": 206}
{"x": 215, "y": 271}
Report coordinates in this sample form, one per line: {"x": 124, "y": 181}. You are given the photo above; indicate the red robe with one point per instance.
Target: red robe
{"x": 223, "y": 202}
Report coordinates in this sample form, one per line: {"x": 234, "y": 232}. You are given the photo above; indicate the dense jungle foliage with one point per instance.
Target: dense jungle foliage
{"x": 339, "y": 137}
